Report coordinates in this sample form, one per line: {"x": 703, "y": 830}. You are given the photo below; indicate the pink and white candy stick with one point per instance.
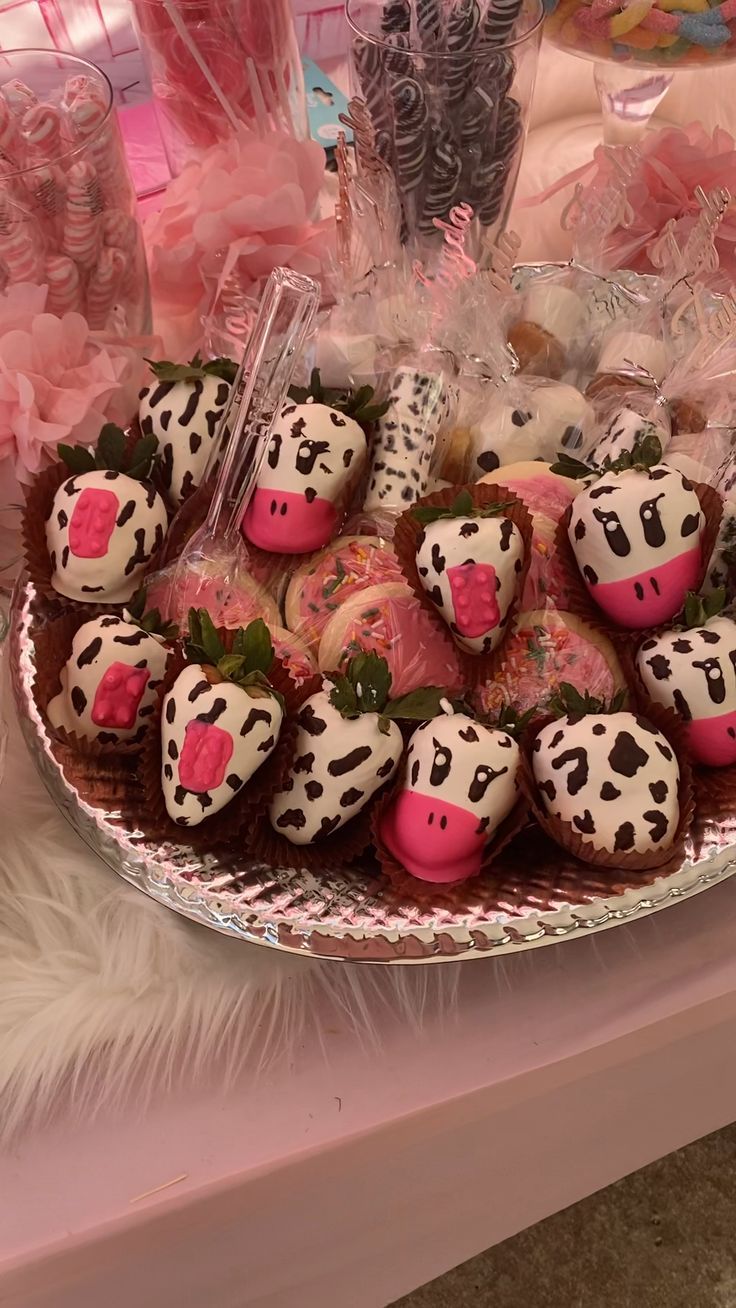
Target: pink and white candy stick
{"x": 18, "y": 96}
{"x": 81, "y": 237}
{"x": 11, "y": 142}
{"x": 118, "y": 229}
{"x": 80, "y": 84}
{"x": 46, "y": 185}
{"x": 41, "y": 127}
{"x": 65, "y": 286}
{"x": 103, "y": 286}
{"x": 87, "y": 116}
{"x": 20, "y": 246}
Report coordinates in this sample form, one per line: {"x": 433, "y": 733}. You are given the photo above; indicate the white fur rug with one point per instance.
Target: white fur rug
{"x": 103, "y": 993}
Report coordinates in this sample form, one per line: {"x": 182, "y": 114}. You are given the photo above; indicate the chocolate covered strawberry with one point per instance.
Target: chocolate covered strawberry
{"x": 109, "y": 681}
{"x": 469, "y": 560}
{"x": 692, "y": 669}
{"x": 182, "y": 408}
{"x": 461, "y": 782}
{"x": 637, "y": 536}
{"x": 348, "y": 746}
{"x": 107, "y": 520}
{"x": 220, "y": 721}
{"x": 315, "y": 456}
{"x": 611, "y": 776}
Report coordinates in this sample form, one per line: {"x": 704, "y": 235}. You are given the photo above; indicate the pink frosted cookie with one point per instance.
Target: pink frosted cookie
{"x": 293, "y": 651}
{"x": 545, "y": 581}
{"x": 540, "y": 489}
{"x": 230, "y": 604}
{"x": 545, "y": 649}
{"x": 318, "y": 588}
{"x": 392, "y": 622}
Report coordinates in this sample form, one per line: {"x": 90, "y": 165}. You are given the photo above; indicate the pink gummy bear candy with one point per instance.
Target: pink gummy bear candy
{"x": 118, "y": 695}
{"x": 92, "y": 523}
{"x": 473, "y": 590}
{"x": 206, "y": 752}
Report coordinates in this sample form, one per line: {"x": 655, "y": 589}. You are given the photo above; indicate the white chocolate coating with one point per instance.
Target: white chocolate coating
{"x": 404, "y": 440}
{"x": 693, "y": 672}
{"x": 556, "y": 309}
{"x": 613, "y": 778}
{"x": 338, "y": 766}
{"x": 252, "y": 725}
{"x": 123, "y": 535}
{"x": 623, "y": 431}
{"x": 624, "y": 351}
{"x": 469, "y": 567}
{"x": 96, "y": 648}
{"x": 185, "y": 417}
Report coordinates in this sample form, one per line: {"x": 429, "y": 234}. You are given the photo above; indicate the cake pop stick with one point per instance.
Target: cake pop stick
{"x": 81, "y": 237}
{"x": 19, "y": 245}
{"x": 103, "y": 286}
{"x": 65, "y": 288}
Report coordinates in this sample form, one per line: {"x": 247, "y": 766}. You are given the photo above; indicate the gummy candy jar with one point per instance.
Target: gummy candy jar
{"x": 637, "y": 46}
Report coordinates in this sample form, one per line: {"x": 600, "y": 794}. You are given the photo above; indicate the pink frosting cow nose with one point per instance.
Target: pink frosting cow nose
{"x": 118, "y": 695}
{"x": 287, "y": 523}
{"x": 434, "y": 840}
{"x": 713, "y": 740}
{"x": 205, "y": 754}
{"x": 92, "y": 523}
{"x": 473, "y": 589}
{"x": 649, "y": 597}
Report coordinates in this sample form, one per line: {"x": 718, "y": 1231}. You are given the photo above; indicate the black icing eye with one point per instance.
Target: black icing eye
{"x": 441, "y": 764}
{"x": 651, "y": 522}
{"x": 484, "y": 775}
{"x": 274, "y": 450}
{"x": 618, "y": 541}
{"x": 308, "y": 453}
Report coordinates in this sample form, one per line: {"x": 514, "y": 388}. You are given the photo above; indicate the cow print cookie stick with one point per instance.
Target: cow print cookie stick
{"x": 404, "y": 440}
{"x": 220, "y": 720}
{"x": 348, "y": 747}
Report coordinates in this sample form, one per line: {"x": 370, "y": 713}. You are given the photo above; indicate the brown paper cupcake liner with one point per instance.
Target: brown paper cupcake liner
{"x": 581, "y": 603}
{"x": 565, "y": 835}
{"x": 53, "y": 643}
{"x": 105, "y": 782}
{"x": 477, "y": 668}
{"x": 413, "y": 887}
{"x": 147, "y": 809}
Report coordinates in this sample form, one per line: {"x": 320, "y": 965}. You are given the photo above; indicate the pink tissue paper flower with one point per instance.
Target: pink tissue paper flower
{"x": 249, "y": 201}
{"x": 673, "y": 162}
{"x": 59, "y": 381}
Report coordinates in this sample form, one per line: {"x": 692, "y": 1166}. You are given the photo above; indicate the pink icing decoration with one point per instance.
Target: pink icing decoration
{"x": 283, "y": 522}
{"x": 412, "y": 830}
{"x": 546, "y": 493}
{"x": 662, "y": 594}
{"x": 92, "y": 523}
{"x": 473, "y": 589}
{"x": 205, "y": 754}
{"x": 713, "y": 740}
{"x": 417, "y": 651}
{"x": 118, "y": 695}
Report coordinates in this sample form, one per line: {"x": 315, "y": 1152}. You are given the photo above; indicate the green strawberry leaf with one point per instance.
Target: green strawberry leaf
{"x": 566, "y": 466}
{"x": 77, "y": 458}
{"x": 204, "y": 644}
{"x": 232, "y": 666}
{"x": 343, "y": 696}
{"x": 257, "y": 647}
{"x": 239, "y": 642}
{"x": 110, "y": 447}
{"x": 370, "y": 677}
{"x": 417, "y": 705}
{"x": 355, "y": 404}
{"x": 137, "y": 604}
{"x": 226, "y": 369}
{"x": 513, "y": 722}
{"x": 141, "y": 459}
{"x": 164, "y": 370}
{"x": 644, "y": 454}
{"x": 568, "y": 702}
{"x": 698, "y": 609}
{"x": 461, "y": 507}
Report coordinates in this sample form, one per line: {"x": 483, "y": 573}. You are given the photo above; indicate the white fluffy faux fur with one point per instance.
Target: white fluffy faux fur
{"x": 103, "y": 993}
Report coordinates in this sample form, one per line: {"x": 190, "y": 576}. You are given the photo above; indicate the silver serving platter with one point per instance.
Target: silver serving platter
{"x": 533, "y": 897}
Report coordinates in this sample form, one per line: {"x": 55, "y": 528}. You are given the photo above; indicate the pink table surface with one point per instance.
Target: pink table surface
{"x": 354, "y": 1174}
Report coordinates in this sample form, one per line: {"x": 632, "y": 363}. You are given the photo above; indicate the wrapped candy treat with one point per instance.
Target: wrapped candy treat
{"x": 419, "y": 404}
{"x": 625, "y": 420}
{"x": 530, "y": 419}
{"x": 551, "y": 321}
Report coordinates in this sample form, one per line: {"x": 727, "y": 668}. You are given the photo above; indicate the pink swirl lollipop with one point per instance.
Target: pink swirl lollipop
{"x": 18, "y": 96}
{"x": 19, "y": 247}
{"x": 46, "y": 185}
{"x": 41, "y": 126}
{"x": 65, "y": 288}
{"x": 11, "y": 144}
{"x": 81, "y": 237}
{"x": 103, "y": 286}
{"x": 118, "y": 229}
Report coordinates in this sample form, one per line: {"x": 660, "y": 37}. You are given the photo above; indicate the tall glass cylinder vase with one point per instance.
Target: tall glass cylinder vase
{"x": 218, "y": 64}
{"x": 448, "y": 89}
{"x": 67, "y": 203}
